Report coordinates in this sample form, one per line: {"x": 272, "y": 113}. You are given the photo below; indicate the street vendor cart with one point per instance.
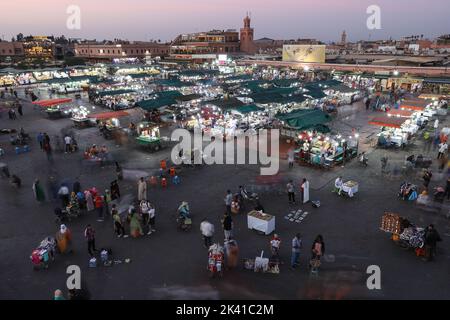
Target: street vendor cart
{"x": 149, "y": 136}
{"x": 404, "y": 233}
{"x": 262, "y": 222}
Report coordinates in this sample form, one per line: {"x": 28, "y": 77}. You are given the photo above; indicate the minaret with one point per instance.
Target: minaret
{"x": 344, "y": 38}
{"x": 247, "y": 33}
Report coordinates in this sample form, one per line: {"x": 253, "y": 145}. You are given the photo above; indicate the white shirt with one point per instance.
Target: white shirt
{"x": 443, "y": 148}
{"x": 63, "y": 190}
{"x": 151, "y": 213}
{"x": 68, "y": 140}
{"x": 338, "y": 183}
{"x": 207, "y": 229}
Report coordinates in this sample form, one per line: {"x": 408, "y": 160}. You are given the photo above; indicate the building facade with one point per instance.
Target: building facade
{"x": 212, "y": 43}
{"x": 11, "y": 49}
{"x": 99, "y": 51}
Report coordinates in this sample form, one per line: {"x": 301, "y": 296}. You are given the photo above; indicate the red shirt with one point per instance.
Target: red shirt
{"x": 98, "y": 201}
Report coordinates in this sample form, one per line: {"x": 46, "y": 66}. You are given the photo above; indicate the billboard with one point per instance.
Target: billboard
{"x": 304, "y": 53}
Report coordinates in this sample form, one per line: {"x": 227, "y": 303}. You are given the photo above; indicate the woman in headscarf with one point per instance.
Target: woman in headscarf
{"x": 135, "y": 225}
{"x": 38, "y": 192}
{"x": 64, "y": 239}
{"x": 89, "y": 201}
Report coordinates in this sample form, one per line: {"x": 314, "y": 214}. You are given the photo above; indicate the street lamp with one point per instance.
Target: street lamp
{"x": 396, "y": 73}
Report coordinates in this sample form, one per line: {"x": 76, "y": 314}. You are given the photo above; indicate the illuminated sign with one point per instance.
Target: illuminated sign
{"x": 304, "y": 53}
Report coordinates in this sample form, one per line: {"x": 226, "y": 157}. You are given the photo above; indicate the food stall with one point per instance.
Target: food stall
{"x": 80, "y": 117}
{"x": 395, "y": 131}
{"x": 350, "y": 188}
{"x": 108, "y": 122}
{"x": 54, "y": 109}
{"x": 404, "y": 233}
{"x": 149, "y": 135}
{"x": 262, "y": 222}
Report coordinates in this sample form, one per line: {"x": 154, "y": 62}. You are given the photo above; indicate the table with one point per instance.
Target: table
{"x": 255, "y": 221}
{"x": 351, "y": 188}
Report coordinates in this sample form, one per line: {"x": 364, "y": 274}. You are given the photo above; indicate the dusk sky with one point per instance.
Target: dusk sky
{"x": 277, "y": 19}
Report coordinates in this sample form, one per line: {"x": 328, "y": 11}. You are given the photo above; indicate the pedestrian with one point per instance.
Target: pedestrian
{"x": 46, "y": 138}
{"x": 38, "y": 192}
{"x": 207, "y": 230}
{"x": 89, "y": 234}
{"x": 107, "y": 200}
{"x": 291, "y": 158}
{"x": 368, "y": 101}
{"x": 40, "y": 139}
{"x": 48, "y": 151}
{"x": 135, "y": 224}
{"x": 384, "y": 163}
{"x": 76, "y": 187}
{"x": 89, "y": 201}
{"x": 58, "y": 295}
{"x": 64, "y": 196}
{"x": 142, "y": 189}
{"x": 227, "y": 224}
{"x": 118, "y": 225}
{"x": 115, "y": 190}
{"x": 144, "y": 206}
{"x": 74, "y": 204}
{"x": 232, "y": 252}
{"x": 432, "y": 237}
{"x": 291, "y": 191}
{"x": 228, "y": 200}
{"x": 443, "y": 148}
{"x": 428, "y": 141}
{"x": 68, "y": 144}
{"x": 297, "y": 244}
{"x": 447, "y": 189}
{"x": 427, "y": 178}
{"x": 119, "y": 172}
{"x": 99, "y": 206}
{"x": 152, "y": 219}
{"x": 275, "y": 244}
{"x": 318, "y": 248}
{"x": 12, "y": 114}
{"x": 64, "y": 239}
{"x": 20, "y": 109}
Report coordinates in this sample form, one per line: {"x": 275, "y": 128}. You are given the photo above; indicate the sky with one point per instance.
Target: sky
{"x": 277, "y": 19}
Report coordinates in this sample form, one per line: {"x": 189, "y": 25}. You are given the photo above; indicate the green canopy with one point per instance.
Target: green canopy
{"x": 225, "y": 103}
{"x": 115, "y": 92}
{"x": 173, "y": 83}
{"x": 305, "y": 119}
{"x": 159, "y": 100}
{"x": 315, "y": 93}
{"x": 248, "y": 109}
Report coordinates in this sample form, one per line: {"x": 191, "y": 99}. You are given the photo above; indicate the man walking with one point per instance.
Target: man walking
{"x": 40, "y": 139}
{"x": 89, "y": 234}
{"x": 432, "y": 237}
{"x": 99, "y": 203}
{"x": 207, "y": 229}
{"x": 291, "y": 192}
{"x": 227, "y": 224}
{"x": 296, "y": 246}
{"x": 291, "y": 158}
{"x": 64, "y": 195}
{"x": 443, "y": 148}
{"x": 68, "y": 143}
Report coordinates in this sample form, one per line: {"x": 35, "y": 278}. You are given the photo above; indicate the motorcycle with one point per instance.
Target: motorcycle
{"x": 184, "y": 221}
{"x": 215, "y": 260}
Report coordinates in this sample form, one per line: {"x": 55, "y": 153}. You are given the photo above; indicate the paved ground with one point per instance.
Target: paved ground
{"x": 170, "y": 264}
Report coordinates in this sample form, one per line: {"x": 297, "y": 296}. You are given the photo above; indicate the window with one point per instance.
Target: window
{"x": 108, "y": 51}
{"x": 98, "y": 51}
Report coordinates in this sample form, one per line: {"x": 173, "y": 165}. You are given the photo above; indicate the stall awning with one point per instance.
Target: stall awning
{"x": 401, "y": 113}
{"x": 108, "y": 115}
{"x": 305, "y": 119}
{"x": 115, "y": 92}
{"x": 225, "y": 103}
{"x": 173, "y": 83}
{"x": 188, "y": 97}
{"x": 416, "y": 104}
{"x": 391, "y": 122}
{"x": 159, "y": 100}
{"x": 248, "y": 109}
{"x": 52, "y": 102}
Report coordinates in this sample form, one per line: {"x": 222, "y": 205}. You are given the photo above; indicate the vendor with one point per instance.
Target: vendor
{"x": 338, "y": 184}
